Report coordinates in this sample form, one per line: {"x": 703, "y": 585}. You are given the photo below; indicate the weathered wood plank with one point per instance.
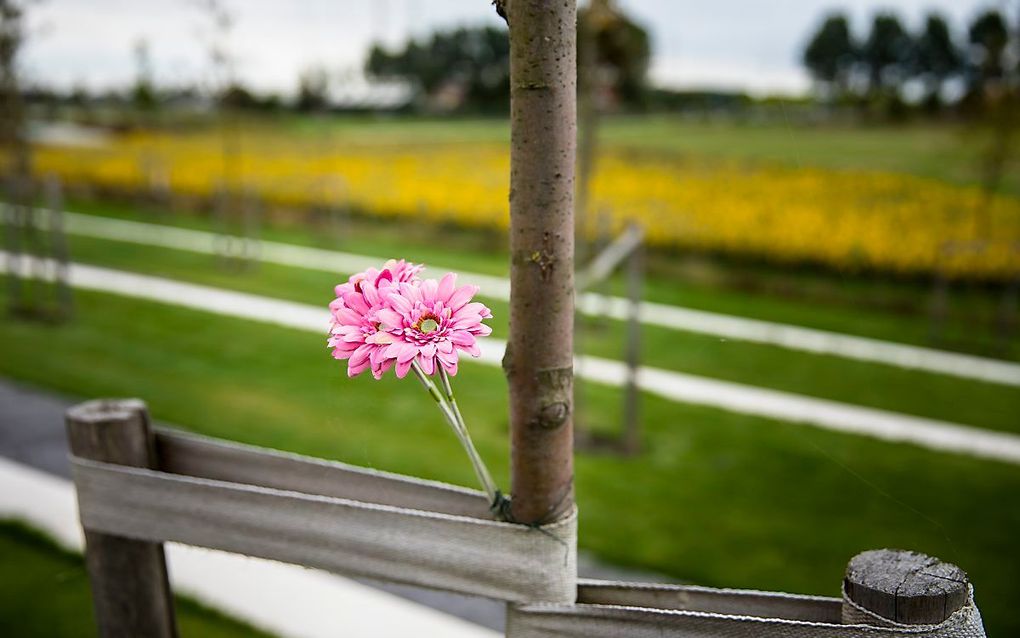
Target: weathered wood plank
{"x": 470, "y": 555}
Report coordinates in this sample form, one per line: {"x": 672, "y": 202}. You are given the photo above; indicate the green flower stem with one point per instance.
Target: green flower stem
{"x": 448, "y": 406}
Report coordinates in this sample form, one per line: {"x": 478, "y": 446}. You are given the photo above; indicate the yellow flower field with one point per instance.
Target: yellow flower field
{"x": 846, "y": 220}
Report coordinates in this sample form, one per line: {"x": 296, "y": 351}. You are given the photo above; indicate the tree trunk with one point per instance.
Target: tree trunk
{"x": 539, "y": 358}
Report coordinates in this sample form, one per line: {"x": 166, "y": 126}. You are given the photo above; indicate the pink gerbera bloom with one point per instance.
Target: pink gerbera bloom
{"x": 354, "y": 329}
{"x": 389, "y": 317}
{"x": 430, "y": 322}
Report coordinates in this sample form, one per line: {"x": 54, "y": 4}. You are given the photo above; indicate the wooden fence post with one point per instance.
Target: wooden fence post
{"x": 906, "y": 587}
{"x": 130, "y": 589}
{"x": 539, "y": 357}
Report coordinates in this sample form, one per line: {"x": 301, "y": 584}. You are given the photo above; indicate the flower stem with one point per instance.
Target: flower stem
{"x": 448, "y": 406}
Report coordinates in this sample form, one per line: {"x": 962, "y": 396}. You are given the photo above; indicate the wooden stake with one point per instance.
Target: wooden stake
{"x": 539, "y": 356}
{"x": 130, "y": 589}
{"x": 632, "y": 354}
{"x": 906, "y": 587}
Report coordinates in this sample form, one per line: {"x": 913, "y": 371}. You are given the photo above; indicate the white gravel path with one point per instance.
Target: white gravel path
{"x": 674, "y": 386}
{"x": 657, "y": 314}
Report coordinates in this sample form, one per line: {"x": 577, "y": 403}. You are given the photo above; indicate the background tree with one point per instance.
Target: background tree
{"x": 13, "y": 133}
{"x": 469, "y": 68}
{"x": 886, "y": 55}
{"x": 143, "y": 93}
{"x": 937, "y": 58}
{"x": 831, "y": 55}
{"x": 988, "y": 37}
{"x": 238, "y": 96}
{"x": 621, "y": 49}
{"x": 471, "y": 63}
{"x": 313, "y": 90}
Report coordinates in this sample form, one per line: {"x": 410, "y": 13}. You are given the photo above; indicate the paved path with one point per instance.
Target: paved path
{"x": 674, "y": 386}
{"x": 673, "y": 317}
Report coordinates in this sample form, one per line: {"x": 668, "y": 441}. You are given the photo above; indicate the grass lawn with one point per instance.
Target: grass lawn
{"x": 913, "y": 392}
{"x": 716, "y": 498}
{"x": 44, "y": 593}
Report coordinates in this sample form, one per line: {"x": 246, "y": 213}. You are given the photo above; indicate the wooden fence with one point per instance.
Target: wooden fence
{"x": 139, "y": 487}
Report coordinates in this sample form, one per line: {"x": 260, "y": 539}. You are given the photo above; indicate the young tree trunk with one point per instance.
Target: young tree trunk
{"x": 539, "y": 358}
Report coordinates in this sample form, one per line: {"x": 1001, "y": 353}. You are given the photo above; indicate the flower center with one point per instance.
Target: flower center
{"x": 427, "y": 324}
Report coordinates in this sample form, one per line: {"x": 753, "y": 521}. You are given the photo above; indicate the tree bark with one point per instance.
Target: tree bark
{"x": 539, "y": 358}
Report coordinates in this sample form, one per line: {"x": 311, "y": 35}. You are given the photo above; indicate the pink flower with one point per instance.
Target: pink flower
{"x": 393, "y": 271}
{"x": 430, "y": 322}
{"x": 354, "y": 329}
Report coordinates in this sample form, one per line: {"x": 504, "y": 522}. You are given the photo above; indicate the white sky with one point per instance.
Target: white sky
{"x": 749, "y": 44}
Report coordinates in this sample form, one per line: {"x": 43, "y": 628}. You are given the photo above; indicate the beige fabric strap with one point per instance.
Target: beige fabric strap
{"x": 448, "y": 543}
{"x": 608, "y": 609}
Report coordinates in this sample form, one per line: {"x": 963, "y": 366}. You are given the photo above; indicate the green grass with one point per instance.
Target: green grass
{"x": 716, "y": 498}
{"x": 44, "y": 593}
{"x": 885, "y": 387}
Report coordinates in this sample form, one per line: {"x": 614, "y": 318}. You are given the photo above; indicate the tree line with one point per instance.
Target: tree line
{"x": 936, "y": 66}
{"x": 468, "y": 69}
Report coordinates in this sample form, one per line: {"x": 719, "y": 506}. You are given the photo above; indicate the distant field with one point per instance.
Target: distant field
{"x": 847, "y": 199}
{"x": 947, "y": 152}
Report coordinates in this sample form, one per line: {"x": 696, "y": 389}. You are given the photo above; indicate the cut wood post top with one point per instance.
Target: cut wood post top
{"x": 906, "y": 587}
{"x": 111, "y": 431}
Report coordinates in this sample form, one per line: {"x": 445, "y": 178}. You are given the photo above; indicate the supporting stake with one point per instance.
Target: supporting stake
{"x": 632, "y": 356}
{"x": 906, "y": 587}
{"x": 539, "y": 357}
{"x": 130, "y": 589}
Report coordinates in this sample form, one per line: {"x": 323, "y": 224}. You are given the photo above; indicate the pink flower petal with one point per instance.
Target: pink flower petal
{"x": 399, "y": 303}
{"x": 461, "y": 296}
{"x": 428, "y": 364}
{"x": 451, "y": 367}
{"x": 390, "y": 319}
{"x": 447, "y": 285}
{"x": 402, "y": 368}
{"x": 406, "y": 352}
{"x": 429, "y": 288}
{"x": 472, "y": 350}
{"x": 380, "y": 370}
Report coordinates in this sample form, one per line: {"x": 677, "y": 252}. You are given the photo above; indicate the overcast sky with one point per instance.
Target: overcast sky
{"x": 750, "y": 44}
